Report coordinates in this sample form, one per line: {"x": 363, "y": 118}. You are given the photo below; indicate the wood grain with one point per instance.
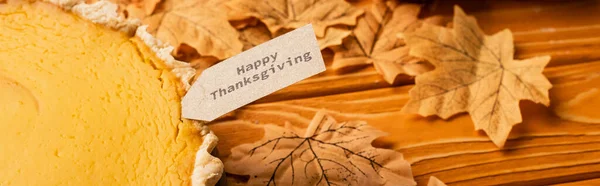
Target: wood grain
{"x": 591, "y": 182}
{"x": 539, "y": 29}
{"x": 542, "y": 150}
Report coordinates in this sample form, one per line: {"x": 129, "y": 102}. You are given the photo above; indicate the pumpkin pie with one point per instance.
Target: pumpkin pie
{"x": 89, "y": 98}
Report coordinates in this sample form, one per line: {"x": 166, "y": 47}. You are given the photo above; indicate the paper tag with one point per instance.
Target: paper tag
{"x": 253, "y": 74}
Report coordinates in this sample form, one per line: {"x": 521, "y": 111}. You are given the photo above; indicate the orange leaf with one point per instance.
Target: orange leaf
{"x": 374, "y": 41}
{"x": 474, "y": 73}
{"x": 325, "y": 153}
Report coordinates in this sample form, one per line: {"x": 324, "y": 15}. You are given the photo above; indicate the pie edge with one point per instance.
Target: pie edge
{"x": 207, "y": 168}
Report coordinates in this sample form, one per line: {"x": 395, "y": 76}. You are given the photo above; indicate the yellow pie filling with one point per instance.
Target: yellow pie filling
{"x": 82, "y": 104}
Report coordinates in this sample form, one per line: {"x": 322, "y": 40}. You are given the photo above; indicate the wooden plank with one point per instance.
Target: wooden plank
{"x": 555, "y": 34}
{"x": 540, "y": 28}
{"x": 542, "y": 150}
{"x": 519, "y": 16}
{"x": 563, "y": 52}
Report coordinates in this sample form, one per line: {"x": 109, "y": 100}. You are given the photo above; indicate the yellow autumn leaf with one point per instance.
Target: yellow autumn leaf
{"x": 292, "y": 14}
{"x": 199, "y": 24}
{"x": 325, "y": 153}
{"x": 375, "y": 41}
{"x": 474, "y": 73}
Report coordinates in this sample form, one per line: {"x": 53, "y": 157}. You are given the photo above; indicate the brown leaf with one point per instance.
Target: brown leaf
{"x": 199, "y": 24}
{"x": 326, "y": 153}
{"x": 292, "y": 14}
{"x": 474, "y": 73}
{"x": 433, "y": 181}
{"x": 374, "y": 40}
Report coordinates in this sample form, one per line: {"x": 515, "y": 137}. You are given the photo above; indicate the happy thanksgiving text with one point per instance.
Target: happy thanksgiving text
{"x": 261, "y": 69}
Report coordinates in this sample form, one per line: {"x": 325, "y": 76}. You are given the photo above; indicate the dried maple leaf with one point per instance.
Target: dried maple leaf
{"x": 254, "y": 35}
{"x": 292, "y": 14}
{"x": 374, "y": 41}
{"x": 474, "y": 73}
{"x": 199, "y": 24}
{"x": 326, "y": 153}
{"x": 333, "y": 37}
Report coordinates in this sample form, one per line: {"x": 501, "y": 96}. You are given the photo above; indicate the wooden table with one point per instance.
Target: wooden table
{"x": 542, "y": 150}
